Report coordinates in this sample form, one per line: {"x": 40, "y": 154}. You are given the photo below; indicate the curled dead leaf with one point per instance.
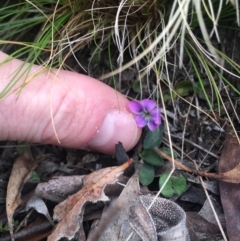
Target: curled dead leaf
{"x": 39, "y": 205}
{"x": 69, "y": 213}
{"x": 129, "y": 218}
{"x": 59, "y": 188}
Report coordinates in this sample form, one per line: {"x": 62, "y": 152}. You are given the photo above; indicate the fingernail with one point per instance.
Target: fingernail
{"x": 118, "y": 125}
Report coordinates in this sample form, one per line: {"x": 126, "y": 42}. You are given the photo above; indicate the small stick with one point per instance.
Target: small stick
{"x": 185, "y": 168}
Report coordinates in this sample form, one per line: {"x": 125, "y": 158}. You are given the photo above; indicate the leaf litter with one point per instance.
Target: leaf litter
{"x": 230, "y": 191}
{"x": 21, "y": 172}
{"x": 69, "y": 212}
{"x": 135, "y": 213}
{"x": 231, "y": 146}
{"x": 129, "y": 218}
{"x": 229, "y": 177}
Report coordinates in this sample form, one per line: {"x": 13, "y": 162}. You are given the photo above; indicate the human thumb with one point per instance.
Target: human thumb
{"x": 64, "y": 108}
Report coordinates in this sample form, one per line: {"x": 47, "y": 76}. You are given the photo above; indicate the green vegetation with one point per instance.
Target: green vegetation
{"x": 5, "y": 228}
{"x": 173, "y": 185}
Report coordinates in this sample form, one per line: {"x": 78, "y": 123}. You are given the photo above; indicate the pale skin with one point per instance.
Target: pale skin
{"x": 67, "y": 109}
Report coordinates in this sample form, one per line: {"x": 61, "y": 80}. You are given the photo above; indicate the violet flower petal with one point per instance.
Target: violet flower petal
{"x": 135, "y": 107}
{"x": 156, "y": 116}
{"x": 148, "y": 105}
{"x": 147, "y": 113}
{"x": 141, "y": 121}
{"x": 152, "y": 126}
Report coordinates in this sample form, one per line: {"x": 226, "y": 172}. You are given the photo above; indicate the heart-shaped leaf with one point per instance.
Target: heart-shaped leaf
{"x": 175, "y": 185}
{"x": 168, "y": 190}
{"x": 147, "y": 174}
{"x": 153, "y": 138}
{"x": 167, "y": 151}
{"x": 151, "y": 157}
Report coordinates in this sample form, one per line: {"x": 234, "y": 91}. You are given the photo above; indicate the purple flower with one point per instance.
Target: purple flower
{"x": 147, "y": 113}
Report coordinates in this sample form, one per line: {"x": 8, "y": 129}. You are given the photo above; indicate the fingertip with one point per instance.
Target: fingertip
{"x": 117, "y": 126}
{"x": 61, "y": 106}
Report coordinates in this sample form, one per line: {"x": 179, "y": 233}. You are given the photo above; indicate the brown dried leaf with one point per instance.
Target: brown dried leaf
{"x": 124, "y": 215}
{"x": 39, "y": 205}
{"x": 69, "y": 213}
{"x": 21, "y": 172}
{"x": 169, "y": 219}
{"x": 231, "y": 176}
{"x": 59, "y": 188}
{"x": 196, "y": 223}
{"x": 230, "y": 192}
{"x": 165, "y": 220}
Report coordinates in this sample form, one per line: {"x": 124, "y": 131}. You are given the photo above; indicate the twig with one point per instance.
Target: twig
{"x": 187, "y": 169}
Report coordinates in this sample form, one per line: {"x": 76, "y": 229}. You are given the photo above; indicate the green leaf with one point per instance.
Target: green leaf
{"x": 21, "y": 149}
{"x": 184, "y": 88}
{"x": 167, "y": 150}
{"x": 168, "y": 190}
{"x": 146, "y": 174}
{"x": 136, "y": 86}
{"x": 97, "y": 57}
{"x": 35, "y": 177}
{"x": 153, "y": 138}
{"x": 167, "y": 97}
{"x": 151, "y": 157}
{"x": 197, "y": 87}
{"x": 179, "y": 184}
{"x": 175, "y": 185}
{"x": 5, "y": 228}
{"x": 95, "y": 53}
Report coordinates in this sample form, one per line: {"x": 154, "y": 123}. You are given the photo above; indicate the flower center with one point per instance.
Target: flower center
{"x": 146, "y": 115}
